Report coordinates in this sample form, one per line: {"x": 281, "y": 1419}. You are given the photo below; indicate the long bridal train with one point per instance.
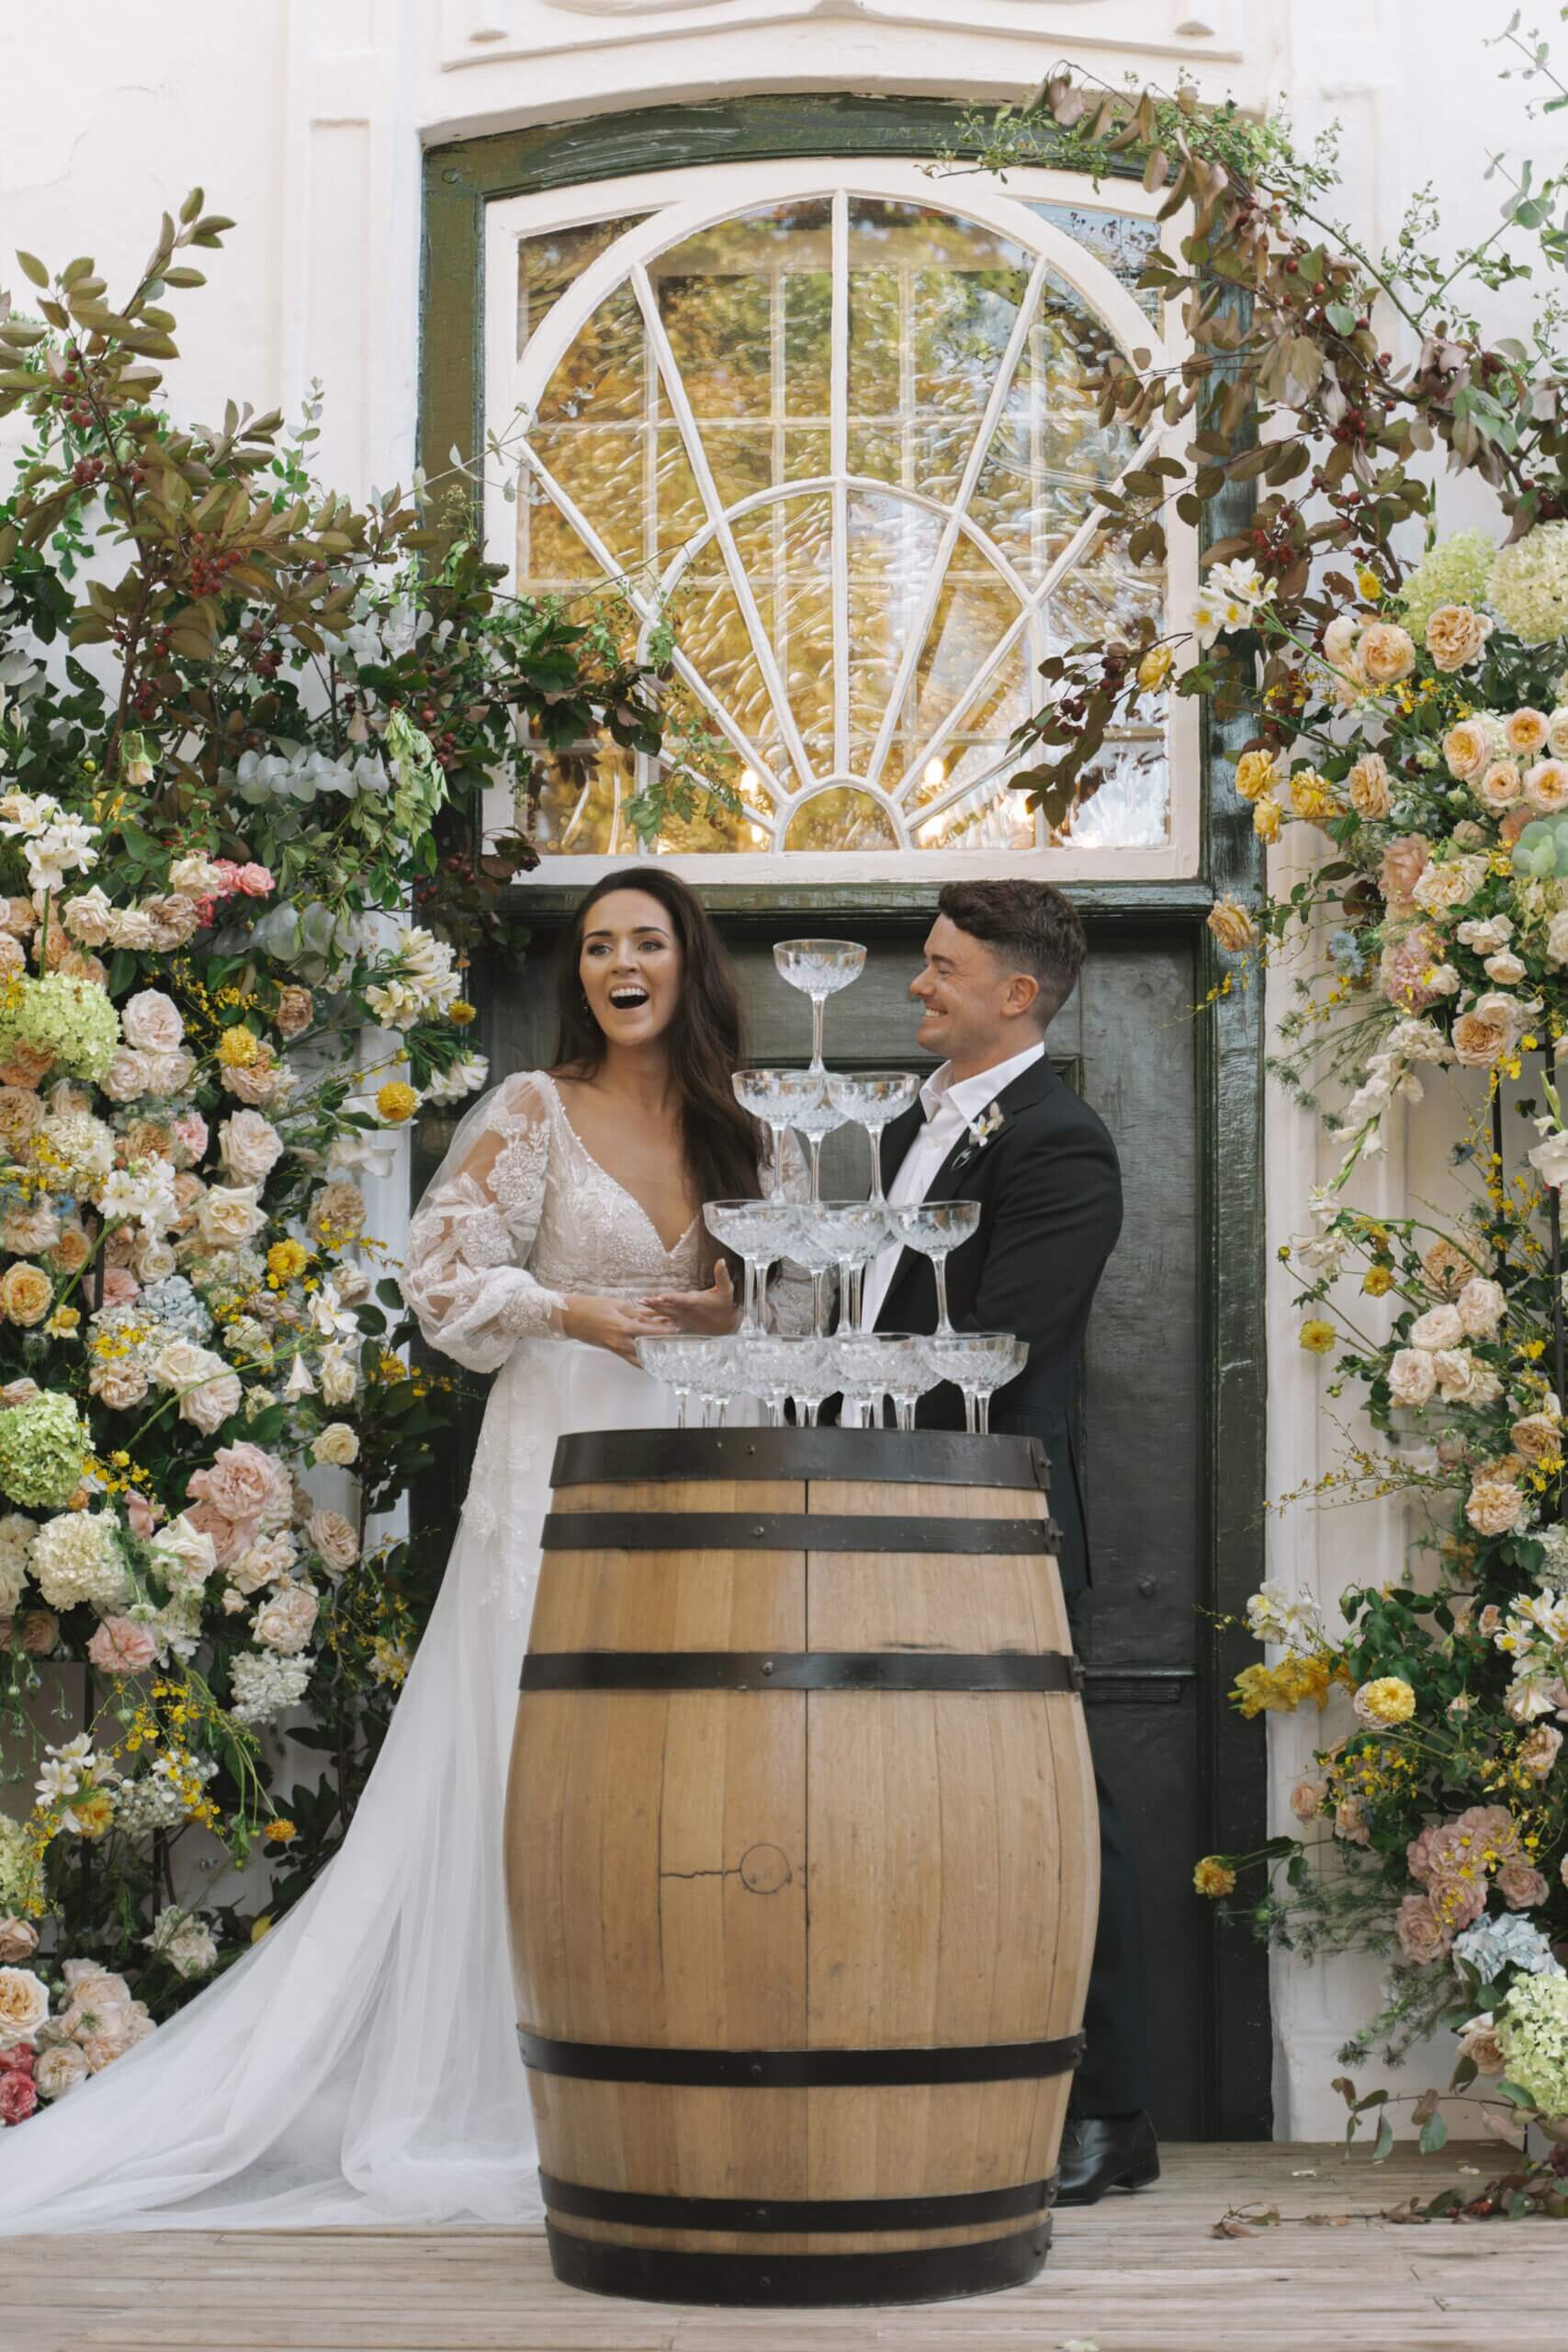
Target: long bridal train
{"x": 360, "y": 2065}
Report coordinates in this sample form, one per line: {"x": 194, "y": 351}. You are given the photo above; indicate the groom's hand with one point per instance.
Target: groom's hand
{"x": 710, "y": 1311}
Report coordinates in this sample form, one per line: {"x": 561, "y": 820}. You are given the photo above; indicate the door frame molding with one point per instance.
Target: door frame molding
{"x": 459, "y": 180}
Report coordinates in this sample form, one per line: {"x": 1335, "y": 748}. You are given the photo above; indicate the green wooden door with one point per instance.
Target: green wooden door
{"x": 1173, "y": 1392}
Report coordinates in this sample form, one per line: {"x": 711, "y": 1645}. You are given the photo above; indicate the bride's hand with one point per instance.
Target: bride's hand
{"x": 614, "y": 1323}
{"x": 711, "y": 1311}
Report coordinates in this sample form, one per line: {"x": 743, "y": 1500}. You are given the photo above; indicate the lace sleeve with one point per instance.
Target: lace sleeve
{"x": 463, "y": 1275}
{"x": 789, "y": 1293}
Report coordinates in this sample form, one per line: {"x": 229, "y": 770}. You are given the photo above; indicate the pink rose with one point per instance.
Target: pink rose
{"x": 243, "y": 1483}
{"x": 19, "y": 2059}
{"x": 119, "y": 1286}
{"x": 1458, "y": 1902}
{"x": 1404, "y": 967}
{"x": 41, "y": 1632}
{"x": 1422, "y": 1935}
{"x": 1520, "y": 1886}
{"x": 1403, "y": 861}
{"x": 122, "y": 1646}
{"x": 143, "y": 1516}
{"x": 229, "y": 1538}
{"x": 18, "y": 1940}
{"x": 190, "y": 1131}
{"x": 18, "y": 2097}
{"x": 1419, "y": 1858}
{"x": 254, "y": 881}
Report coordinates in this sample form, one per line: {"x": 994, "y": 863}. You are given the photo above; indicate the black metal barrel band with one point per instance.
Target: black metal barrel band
{"x": 904, "y": 1457}
{"x": 1019, "y": 2201}
{"x": 778, "y": 1531}
{"x": 986, "y": 2062}
{"x": 925, "y": 2273}
{"x": 1025, "y": 1671}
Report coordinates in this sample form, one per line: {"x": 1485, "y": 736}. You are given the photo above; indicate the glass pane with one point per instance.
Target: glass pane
{"x": 1120, "y": 240}
{"x": 841, "y": 818}
{"x": 935, "y": 303}
{"x": 547, "y": 266}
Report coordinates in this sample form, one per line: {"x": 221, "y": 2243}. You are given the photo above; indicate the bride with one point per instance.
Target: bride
{"x": 361, "y": 2065}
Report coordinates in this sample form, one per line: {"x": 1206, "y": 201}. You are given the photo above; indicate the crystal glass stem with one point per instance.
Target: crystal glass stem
{"x": 778, "y": 1131}
{"x": 971, "y": 1409}
{"x": 815, "y": 1144}
{"x": 874, "y": 1137}
{"x": 944, "y": 1321}
{"x": 846, "y": 1296}
{"x": 983, "y": 1414}
{"x": 904, "y": 1412}
{"x": 820, "y": 1303}
{"x": 682, "y": 1396}
{"x": 857, "y": 1299}
{"x": 804, "y": 1413}
{"x": 819, "y": 1007}
{"x": 749, "y": 1300}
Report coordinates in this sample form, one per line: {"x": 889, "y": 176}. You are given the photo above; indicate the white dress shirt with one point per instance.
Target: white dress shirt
{"x": 949, "y": 1109}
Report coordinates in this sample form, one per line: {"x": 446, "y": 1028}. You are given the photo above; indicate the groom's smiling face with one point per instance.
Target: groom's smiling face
{"x": 973, "y": 1008}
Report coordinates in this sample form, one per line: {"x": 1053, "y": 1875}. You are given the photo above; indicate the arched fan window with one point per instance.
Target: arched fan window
{"x": 834, "y": 422}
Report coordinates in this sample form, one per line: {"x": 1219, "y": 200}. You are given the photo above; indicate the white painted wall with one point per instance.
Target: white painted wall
{"x": 305, "y": 121}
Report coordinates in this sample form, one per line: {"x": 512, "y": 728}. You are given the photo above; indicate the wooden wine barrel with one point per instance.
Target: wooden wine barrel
{"x": 803, "y": 1861}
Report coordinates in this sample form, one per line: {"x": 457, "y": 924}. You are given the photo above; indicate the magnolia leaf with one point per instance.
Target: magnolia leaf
{"x": 32, "y": 267}
{"x": 1382, "y": 2147}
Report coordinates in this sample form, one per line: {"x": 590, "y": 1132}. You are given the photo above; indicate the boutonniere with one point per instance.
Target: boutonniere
{"x": 981, "y": 1131}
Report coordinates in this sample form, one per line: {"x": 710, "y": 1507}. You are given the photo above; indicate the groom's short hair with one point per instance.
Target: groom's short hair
{"x": 1032, "y": 927}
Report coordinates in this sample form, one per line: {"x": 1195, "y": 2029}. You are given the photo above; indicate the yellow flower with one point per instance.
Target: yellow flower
{"x": 1318, "y": 1337}
{"x": 1369, "y": 585}
{"x": 1233, "y": 926}
{"x": 1378, "y": 1281}
{"x": 238, "y": 1049}
{"x": 93, "y": 1812}
{"x": 1267, "y": 818}
{"x": 397, "y": 1102}
{"x": 1155, "y": 668}
{"x": 1214, "y": 1877}
{"x": 1255, "y": 773}
{"x": 286, "y": 1259}
{"x": 1388, "y": 1699}
{"x": 1278, "y": 1689}
{"x": 279, "y": 1832}
{"x": 461, "y": 1011}
{"x": 262, "y": 1927}
{"x": 1312, "y": 795}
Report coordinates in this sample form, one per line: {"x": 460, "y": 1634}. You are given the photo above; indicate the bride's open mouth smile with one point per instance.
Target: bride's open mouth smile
{"x": 627, "y": 998}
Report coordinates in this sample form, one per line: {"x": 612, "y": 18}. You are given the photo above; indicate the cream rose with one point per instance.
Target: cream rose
{"x": 24, "y": 2006}
{"x": 88, "y": 917}
{"x": 337, "y": 1445}
{"x": 1368, "y": 785}
{"x": 21, "y": 1115}
{"x": 151, "y": 1021}
{"x": 1386, "y": 653}
{"x": 210, "y": 1392}
{"x": 18, "y": 1940}
{"x": 1478, "y": 1043}
{"x": 1456, "y": 635}
{"x": 1440, "y": 1327}
{"x": 1449, "y": 883}
{"x": 1467, "y": 748}
{"x": 1481, "y": 1306}
{"x": 1499, "y": 786}
{"x": 339, "y": 1375}
{"x": 286, "y": 1621}
{"x": 328, "y": 1533}
{"x": 24, "y": 1230}
{"x": 1524, "y": 731}
{"x": 1233, "y": 926}
{"x": 1410, "y": 1376}
{"x": 1546, "y": 786}
{"x": 1453, "y": 1371}
{"x": 25, "y": 1293}
{"x": 1495, "y": 1505}
{"x": 118, "y": 1382}
{"x": 249, "y": 1145}
{"x": 261, "y": 1561}
{"x": 1504, "y": 967}
{"x": 230, "y": 1214}
{"x": 60, "y": 2070}
{"x": 295, "y": 1012}
{"x": 125, "y": 1077}
{"x": 338, "y": 1209}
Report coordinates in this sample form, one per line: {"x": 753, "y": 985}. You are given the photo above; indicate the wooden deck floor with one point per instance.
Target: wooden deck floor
{"x": 1142, "y": 2274}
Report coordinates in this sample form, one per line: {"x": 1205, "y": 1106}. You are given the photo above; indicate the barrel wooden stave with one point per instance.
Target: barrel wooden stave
{"x": 679, "y": 1920}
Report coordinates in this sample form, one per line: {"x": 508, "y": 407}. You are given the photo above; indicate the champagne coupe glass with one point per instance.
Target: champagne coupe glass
{"x": 811, "y": 1378}
{"x": 935, "y": 1228}
{"x": 979, "y": 1363}
{"x": 815, "y": 1119}
{"x": 813, "y": 1246}
{"x": 719, "y": 1373}
{"x": 756, "y": 1231}
{"x": 820, "y": 968}
{"x": 910, "y": 1375}
{"x": 669, "y": 1360}
{"x": 872, "y": 1098}
{"x": 774, "y": 1096}
{"x": 855, "y": 1230}
{"x": 866, "y": 1366}
{"x": 772, "y": 1363}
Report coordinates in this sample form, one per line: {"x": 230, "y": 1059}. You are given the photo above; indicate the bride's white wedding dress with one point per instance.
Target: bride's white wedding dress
{"x": 360, "y": 2065}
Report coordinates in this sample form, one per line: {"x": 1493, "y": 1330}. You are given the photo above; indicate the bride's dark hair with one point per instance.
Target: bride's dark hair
{"x": 706, "y": 1039}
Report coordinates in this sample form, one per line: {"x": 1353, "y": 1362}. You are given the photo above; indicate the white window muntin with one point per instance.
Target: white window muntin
{"x": 675, "y": 205}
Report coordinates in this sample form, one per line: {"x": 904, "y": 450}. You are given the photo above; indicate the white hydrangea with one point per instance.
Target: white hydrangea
{"x": 264, "y": 1685}
{"x": 154, "y": 1802}
{"x": 1529, "y": 584}
{"x": 1493, "y": 1944}
{"x": 77, "y": 1557}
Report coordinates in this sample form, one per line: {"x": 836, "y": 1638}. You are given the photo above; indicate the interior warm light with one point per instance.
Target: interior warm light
{"x": 934, "y": 772}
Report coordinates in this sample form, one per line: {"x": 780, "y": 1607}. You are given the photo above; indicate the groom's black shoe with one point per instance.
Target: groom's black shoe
{"x": 1102, "y": 2152}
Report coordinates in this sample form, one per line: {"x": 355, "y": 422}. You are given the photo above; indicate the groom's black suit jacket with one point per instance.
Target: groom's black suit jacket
{"x": 1050, "y": 1191}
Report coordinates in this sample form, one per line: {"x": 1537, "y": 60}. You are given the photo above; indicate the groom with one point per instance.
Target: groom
{"x": 996, "y": 1124}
